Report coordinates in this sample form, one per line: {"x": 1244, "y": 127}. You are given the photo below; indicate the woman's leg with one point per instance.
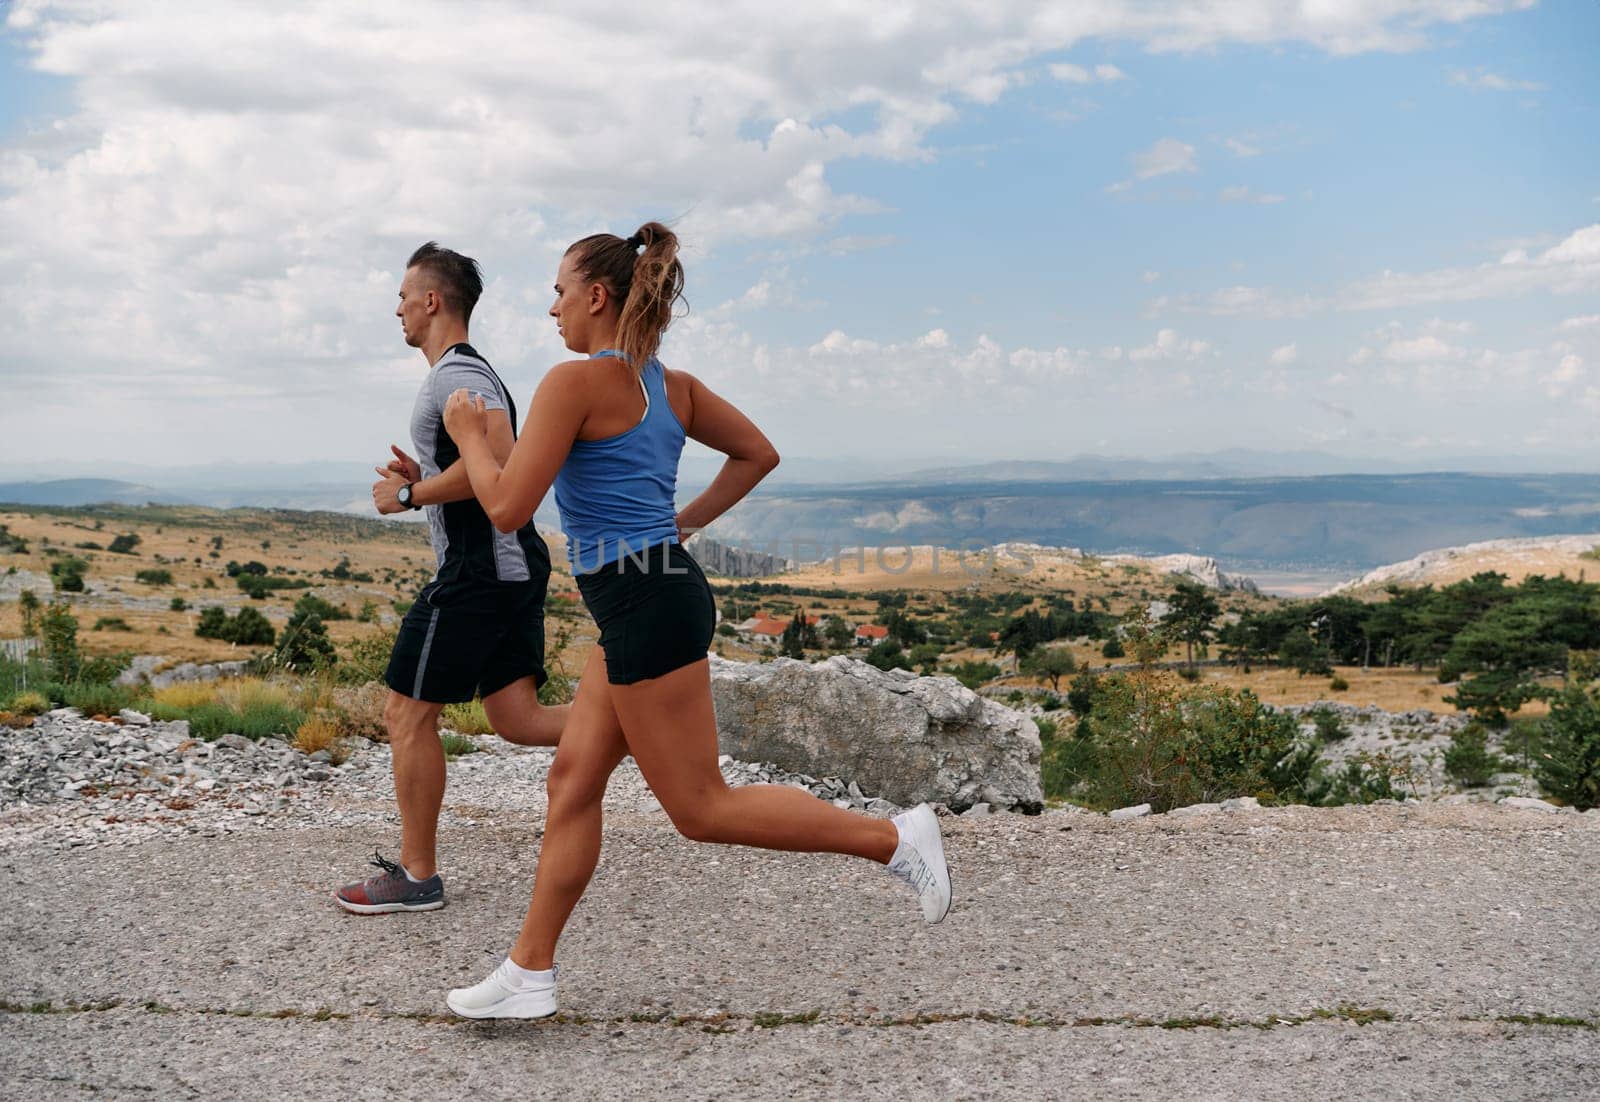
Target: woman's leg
{"x": 591, "y": 746}
{"x": 671, "y": 731}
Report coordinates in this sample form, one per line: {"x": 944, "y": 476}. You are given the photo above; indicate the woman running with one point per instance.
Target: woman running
{"x": 608, "y": 431}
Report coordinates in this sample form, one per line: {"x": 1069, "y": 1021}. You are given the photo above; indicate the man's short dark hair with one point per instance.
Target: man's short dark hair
{"x": 457, "y": 277}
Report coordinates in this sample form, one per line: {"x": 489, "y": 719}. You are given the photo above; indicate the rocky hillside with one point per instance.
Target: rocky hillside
{"x": 1515, "y": 558}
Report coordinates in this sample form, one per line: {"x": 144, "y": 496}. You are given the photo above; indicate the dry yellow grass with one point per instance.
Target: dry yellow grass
{"x": 320, "y": 733}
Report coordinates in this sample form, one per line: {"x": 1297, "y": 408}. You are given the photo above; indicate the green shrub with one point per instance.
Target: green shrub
{"x": 111, "y": 623}
{"x": 1365, "y": 778}
{"x": 178, "y": 604}
{"x": 559, "y": 689}
{"x": 154, "y": 577}
{"x": 1113, "y": 648}
{"x": 124, "y": 545}
{"x": 1330, "y": 728}
{"x": 1080, "y": 694}
{"x": 246, "y": 628}
{"x": 58, "y": 636}
{"x": 29, "y": 703}
{"x": 366, "y": 658}
{"x": 456, "y": 745}
{"x": 311, "y": 604}
{"x": 368, "y": 613}
{"x": 887, "y": 655}
{"x": 1338, "y": 685}
{"x": 1568, "y": 758}
{"x": 101, "y": 669}
{"x": 99, "y": 699}
{"x": 1047, "y": 729}
{"x": 972, "y": 674}
{"x": 1469, "y": 761}
{"x": 1152, "y": 742}
{"x": 66, "y": 574}
{"x": 467, "y": 718}
{"x": 304, "y": 645}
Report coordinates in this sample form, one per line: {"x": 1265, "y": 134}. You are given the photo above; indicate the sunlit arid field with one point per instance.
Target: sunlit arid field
{"x": 373, "y": 568}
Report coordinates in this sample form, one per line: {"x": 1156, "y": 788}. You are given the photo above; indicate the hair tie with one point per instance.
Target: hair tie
{"x": 634, "y": 242}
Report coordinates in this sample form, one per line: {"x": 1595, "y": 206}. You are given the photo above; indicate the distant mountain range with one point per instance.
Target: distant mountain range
{"x": 1344, "y": 522}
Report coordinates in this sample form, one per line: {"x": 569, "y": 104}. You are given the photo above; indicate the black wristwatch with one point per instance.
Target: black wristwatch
{"x": 404, "y": 496}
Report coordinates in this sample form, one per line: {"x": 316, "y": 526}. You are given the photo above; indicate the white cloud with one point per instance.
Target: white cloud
{"x": 1168, "y": 345}
{"x": 1068, "y": 73}
{"x": 1284, "y": 356}
{"x": 1482, "y": 78}
{"x": 1239, "y": 193}
{"x": 1586, "y": 321}
{"x": 1167, "y": 156}
{"x": 1571, "y": 266}
{"x": 1242, "y": 148}
{"x": 224, "y": 208}
{"x": 1420, "y": 350}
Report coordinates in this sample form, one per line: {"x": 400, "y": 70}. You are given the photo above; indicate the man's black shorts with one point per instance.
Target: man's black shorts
{"x": 460, "y": 639}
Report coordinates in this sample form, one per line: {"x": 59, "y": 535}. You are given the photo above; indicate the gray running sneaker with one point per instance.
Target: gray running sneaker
{"x": 393, "y": 891}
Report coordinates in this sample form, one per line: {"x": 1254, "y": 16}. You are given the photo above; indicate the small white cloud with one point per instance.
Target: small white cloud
{"x": 1586, "y": 321}
{"x": 1239, "y": 193}
{"x": 1419, "y": 350}
{"x": 1493, "y": 82}
{"x": 1242, "y": 148}
{"x": 1167, "y": 156}
{"x": 1067, "y": 73}
{"x": 1168, "y": 345}
{"x": 1284, "y": 356}
{"x": 1360, "y": 356}
{"x": 1150, "y": 277}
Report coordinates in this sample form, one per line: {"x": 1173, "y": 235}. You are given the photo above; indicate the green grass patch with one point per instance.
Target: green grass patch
{"x": 455, "y": 745}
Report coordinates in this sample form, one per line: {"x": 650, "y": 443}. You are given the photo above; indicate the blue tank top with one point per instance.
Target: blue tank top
{"x": 616, "y": 496}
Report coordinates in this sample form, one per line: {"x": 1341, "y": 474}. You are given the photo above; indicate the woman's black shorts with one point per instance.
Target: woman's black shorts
{"x": 655, "y": 611}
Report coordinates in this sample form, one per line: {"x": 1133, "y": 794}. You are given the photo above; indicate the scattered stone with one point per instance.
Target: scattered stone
{"x": 235, "y": 742}
{"x": 1193, "y": 810}
{"x": 1137, "y": 812}
{"x": 133, "y": 718}
{"x": 1527, "y": 803}
{"x": 1241, "y": 803}
{"x": 976, "y": 811}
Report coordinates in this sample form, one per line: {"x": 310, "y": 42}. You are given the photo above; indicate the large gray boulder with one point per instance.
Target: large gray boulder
{"x": 905, "y": 738}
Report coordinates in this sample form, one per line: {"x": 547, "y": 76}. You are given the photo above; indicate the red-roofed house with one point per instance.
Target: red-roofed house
{"x": 762, "y": 626}
{"x": 868, "y": 634}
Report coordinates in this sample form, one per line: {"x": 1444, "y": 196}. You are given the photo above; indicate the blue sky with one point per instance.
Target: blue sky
{"x": 1003, "y": 233}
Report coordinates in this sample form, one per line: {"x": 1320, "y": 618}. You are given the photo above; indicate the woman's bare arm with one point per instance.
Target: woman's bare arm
{"x": 716, "y": 423}
{"x": 511, "y": 495}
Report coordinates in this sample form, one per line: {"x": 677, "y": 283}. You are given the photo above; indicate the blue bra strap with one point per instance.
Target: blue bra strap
{"x": 607, "y": 352}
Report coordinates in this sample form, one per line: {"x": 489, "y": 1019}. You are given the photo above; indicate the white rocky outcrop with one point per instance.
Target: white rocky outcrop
{"x": 1421, "y": 567}
{"x": 909, "y": 739}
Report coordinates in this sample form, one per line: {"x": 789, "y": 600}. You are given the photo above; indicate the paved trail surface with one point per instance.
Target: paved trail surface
{"x": 1416, "y": 952}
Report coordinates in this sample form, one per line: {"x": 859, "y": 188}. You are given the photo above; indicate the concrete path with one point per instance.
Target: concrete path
{"x": 1436, "y": 952}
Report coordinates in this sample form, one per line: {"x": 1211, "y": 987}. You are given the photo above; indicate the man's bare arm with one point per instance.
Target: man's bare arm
{"x": 450, "y": 484}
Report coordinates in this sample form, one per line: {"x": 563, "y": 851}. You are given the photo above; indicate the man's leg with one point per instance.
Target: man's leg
{"x": 418, "y": 760}
{"x": 517, "y": 716}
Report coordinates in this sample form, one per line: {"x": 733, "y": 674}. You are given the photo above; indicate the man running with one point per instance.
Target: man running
{"x": 478, "y": 627}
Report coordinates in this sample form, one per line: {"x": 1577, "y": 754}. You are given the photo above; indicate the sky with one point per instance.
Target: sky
{"x": 961, "y": 232}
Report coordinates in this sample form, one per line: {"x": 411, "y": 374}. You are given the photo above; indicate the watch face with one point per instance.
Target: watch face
{"x": 405, "y": 496}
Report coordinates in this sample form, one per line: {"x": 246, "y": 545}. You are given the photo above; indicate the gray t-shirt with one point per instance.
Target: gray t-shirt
{"x": 465, "y": 544}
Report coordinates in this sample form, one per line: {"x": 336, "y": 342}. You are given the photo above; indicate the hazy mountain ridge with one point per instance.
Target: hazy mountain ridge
{"x": 1349, "y": 523}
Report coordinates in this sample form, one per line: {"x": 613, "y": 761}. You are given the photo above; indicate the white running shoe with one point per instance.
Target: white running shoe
{"x": 919, "y": 861}
{"x": 501, "y": 996}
